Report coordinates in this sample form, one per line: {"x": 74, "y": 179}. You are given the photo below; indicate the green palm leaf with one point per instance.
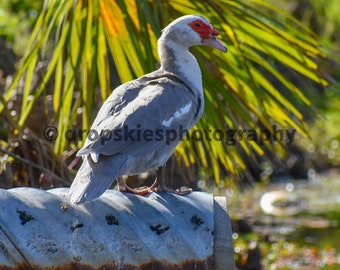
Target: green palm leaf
{"x": 78, "y": 37}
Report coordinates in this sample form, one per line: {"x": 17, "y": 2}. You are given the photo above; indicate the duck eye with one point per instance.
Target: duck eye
{"x": 198, "y": 25}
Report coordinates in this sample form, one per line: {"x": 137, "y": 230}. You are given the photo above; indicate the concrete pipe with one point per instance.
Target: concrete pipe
{"x": 42, "y": 230}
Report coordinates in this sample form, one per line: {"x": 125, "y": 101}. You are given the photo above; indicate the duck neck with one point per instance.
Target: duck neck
{"x": 177, "y": 59}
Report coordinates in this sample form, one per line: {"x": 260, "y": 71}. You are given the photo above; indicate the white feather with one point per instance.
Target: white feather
{"x": 94, "y": 156}
{"x": 186, "y": 64}
{"x": 178, "y": 114}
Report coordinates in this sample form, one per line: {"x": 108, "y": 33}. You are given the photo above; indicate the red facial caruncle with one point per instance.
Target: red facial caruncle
{"x": 203, "y": 29}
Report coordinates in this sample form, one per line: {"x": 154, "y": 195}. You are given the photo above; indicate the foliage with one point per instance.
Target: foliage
{"x": 17, "y": 19}
{"x": 328, "y": 18}
{"x": 323, "y": 19}
{"x": 243, "y": 89}
{"x": 322, "y": 149}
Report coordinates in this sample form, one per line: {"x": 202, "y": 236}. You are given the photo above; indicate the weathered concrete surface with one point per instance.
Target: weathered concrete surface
{"x": 41, "y": 230}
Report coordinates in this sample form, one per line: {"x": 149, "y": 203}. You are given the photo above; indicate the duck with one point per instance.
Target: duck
{"x": 141, "y": 123}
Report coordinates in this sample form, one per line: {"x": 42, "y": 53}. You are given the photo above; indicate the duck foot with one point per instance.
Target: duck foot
{"x": 181, "y": 191}
{"x": 159, "y": 185}
{"x": 123, "y": 187}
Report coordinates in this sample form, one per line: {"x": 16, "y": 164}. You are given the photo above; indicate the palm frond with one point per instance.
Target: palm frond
{"x": 243, "y": 89}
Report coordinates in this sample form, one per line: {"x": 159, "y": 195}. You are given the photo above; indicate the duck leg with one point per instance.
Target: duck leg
{"x": 123, "y": 187}
{"x": 160, "y": 186}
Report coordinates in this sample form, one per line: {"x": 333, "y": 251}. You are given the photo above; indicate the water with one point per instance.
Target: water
{"x": 296, "y": 224}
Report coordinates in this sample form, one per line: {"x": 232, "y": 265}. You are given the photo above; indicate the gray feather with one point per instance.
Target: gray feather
{"x": 93, "y": 178}
{"x": 142, "y": 104}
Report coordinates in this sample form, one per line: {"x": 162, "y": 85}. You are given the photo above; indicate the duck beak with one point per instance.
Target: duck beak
{"x": 212, "y": 41}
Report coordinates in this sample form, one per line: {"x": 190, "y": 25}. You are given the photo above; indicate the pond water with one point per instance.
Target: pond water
{"x": 295, "y": 223}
